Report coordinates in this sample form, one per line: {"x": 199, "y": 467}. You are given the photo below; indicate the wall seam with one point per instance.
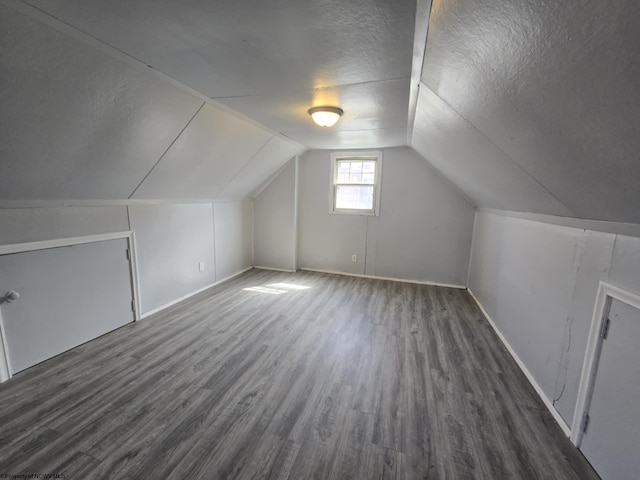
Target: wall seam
{"x": 366, "y": 239}
{"x": 221, "y": 191}
{"x": 296, "y": 195}
{"x": 167, "y": 150}
{"x": 213, "y": 224}
{"x": 613, "y": 252}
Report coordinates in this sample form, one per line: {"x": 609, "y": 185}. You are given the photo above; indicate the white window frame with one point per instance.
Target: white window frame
{"x": 375, "y": 155}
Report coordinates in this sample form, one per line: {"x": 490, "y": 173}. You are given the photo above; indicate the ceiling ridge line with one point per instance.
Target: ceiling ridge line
{"x": 244, "y": 166}
{"x": 263, "y": 186}
{"x": 420, "y": 38}
{"x": 67, "y": 29}
{"x": 371, "y": 129}
{"x": 368, "y": 82}
{"x": 499, "y": 148}
{"x": 13, "y": 4}
{"x": 167, "y": 149}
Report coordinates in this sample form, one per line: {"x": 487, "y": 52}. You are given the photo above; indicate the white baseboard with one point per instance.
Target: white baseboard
{"x": 184, "y": 297}
{"x": 274, "y": 269}
{"x": 563, "y": 425}
{"x": 392, "y": 279}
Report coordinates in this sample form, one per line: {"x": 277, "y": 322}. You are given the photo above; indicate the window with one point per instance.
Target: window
{"x": 356, "y": 183}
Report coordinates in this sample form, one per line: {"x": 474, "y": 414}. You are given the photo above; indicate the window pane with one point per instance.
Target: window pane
{"x": 369, "y": 167}
{"x": 355, "y": 171}
{"x": 356, "y": 177}
{"x": 354, "y": 197}
{"x": 368, "y": 177}
{"x": 344, "y": 166}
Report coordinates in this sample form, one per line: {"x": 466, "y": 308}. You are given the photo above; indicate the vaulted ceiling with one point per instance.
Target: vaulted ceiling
{"x": 534, "y": 105}
{"x": 528, "y": 105}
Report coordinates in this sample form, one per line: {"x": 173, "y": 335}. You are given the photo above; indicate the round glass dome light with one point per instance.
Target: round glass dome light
{"x": 326, "y": 116}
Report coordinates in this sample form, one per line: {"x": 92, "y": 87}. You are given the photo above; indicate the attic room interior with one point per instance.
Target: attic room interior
{"x": 198, "y": 281}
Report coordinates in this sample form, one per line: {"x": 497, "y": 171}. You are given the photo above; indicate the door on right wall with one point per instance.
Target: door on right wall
{"x": 612, "y": 439}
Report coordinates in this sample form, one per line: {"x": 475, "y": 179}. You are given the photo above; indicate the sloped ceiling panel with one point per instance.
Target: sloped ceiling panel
{"x": 554, "y": 85}
{"x": 263, "y": 57}
{"x": 74, "y": 123}
{"x": 290, "y": 42}
{"x": 79, "y": 124}
{"x": 209, "y": 153}
{"x": 375, "y": 138}
{"x": 373, "y": 113}
{"x": 268, "y": 160}
{"x": 474, "y": 163}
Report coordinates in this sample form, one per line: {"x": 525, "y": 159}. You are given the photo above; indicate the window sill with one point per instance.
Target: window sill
{"x": 362, "y": 213}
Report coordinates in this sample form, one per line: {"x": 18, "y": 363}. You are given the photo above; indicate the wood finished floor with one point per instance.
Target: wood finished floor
{"x": 349, "y": 379}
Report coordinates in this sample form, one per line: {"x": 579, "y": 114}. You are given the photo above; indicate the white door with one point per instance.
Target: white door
{"x": 68, "y": 295}
{"x": 612, "y": 439}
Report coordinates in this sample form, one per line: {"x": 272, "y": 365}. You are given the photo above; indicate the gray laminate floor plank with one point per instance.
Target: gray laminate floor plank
{"x": 275, "y": 375}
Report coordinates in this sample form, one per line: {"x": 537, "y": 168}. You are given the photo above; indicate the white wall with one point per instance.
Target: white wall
{"x": 423, "y": 232}
{"x": 628, "y": 229}
{"x": 171, "y": 240}
{"x": 20, "y": 225}
{"x": 275, "y": 221}
{"x": 538, "y": 283}
{"x": 233, "y": 227}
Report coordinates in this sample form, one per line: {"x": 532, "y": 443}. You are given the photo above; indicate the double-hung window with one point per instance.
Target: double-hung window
{"x": 356, "y": 183}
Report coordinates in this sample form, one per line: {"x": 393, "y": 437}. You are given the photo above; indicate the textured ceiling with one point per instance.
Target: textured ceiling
{"x": 479, "y": 168}
{"x": 272, "y": 61}
{"x": 74, "y": 123}
{"x": 527, "y": 105}
{"x": 77, "y": 123}
{"x": 549, "y": 87}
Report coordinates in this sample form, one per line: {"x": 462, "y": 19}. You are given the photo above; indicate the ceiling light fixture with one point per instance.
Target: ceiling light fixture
{"x": 326, "y": 116}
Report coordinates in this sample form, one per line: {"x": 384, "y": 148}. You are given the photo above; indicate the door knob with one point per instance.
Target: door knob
{"x": 11, "y": 296}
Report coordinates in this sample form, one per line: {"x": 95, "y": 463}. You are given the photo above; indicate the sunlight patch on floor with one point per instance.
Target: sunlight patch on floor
{"x": 273, "y": 291}
{"x": 288, "y": 286}
{"x": 277, "y": 288}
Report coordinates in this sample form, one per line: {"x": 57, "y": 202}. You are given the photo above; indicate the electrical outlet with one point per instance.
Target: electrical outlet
{"x": 354, "y": 258}
{"x": 201, "y": 267}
